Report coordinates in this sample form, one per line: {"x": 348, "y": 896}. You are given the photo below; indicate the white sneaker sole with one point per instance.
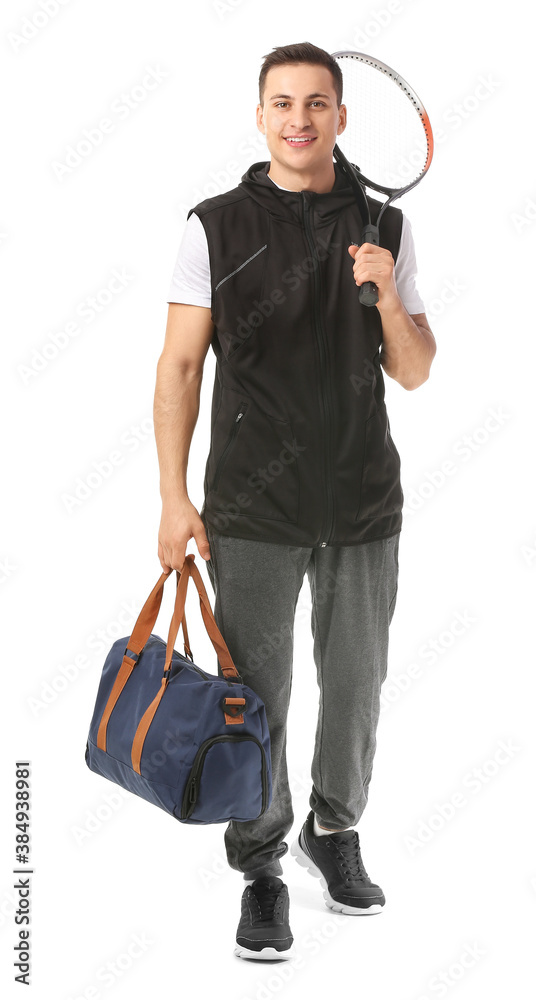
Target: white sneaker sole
{"x": 267, "y": 954}
{"x": 304, "y": 860}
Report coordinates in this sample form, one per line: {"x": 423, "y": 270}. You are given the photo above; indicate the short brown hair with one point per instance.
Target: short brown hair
{"x": 303, "y": 52}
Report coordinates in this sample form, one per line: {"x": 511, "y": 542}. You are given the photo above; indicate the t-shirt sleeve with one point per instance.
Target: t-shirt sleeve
{"x": 406, "y": 271}
{"x": 190, "y": 282}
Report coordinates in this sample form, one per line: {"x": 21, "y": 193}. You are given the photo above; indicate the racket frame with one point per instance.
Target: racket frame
{"x": 368, "y": 292}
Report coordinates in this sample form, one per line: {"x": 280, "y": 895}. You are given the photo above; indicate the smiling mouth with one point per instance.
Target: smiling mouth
{"x": 299, "y": 143}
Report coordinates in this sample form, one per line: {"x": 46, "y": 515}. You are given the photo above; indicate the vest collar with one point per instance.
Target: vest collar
{"x": 287, "y": 206}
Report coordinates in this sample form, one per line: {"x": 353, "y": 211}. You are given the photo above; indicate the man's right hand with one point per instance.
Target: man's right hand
{"x": 180, "y": 521}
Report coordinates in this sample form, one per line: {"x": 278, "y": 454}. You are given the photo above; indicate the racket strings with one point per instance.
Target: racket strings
{"x": 385, "y": 134}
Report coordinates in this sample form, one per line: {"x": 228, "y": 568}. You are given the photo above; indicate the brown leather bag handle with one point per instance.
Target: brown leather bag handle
{"x": 146, "y": 619}
{"x": 224, "y": 656}
{"x": 143, "y": 629}
{"x": 140, "y": 634}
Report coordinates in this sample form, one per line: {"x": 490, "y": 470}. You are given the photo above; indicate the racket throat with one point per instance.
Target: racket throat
{"x": 371, "y": 234}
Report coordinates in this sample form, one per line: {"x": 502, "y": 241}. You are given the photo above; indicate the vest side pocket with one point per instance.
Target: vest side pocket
{"x": 231, "y": 438}
{"x": 381, "y": 490}
{"x": 256, "y": 467}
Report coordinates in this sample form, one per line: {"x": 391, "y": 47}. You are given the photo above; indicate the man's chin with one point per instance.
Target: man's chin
{"x": 297, "y": 163}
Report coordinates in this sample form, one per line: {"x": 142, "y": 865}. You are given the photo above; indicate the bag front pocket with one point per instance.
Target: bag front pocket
{"x": 224, "y": 784}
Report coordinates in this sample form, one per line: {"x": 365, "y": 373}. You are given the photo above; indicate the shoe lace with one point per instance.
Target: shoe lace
{"x": 268, "y": 900}
{"x": 348, "y": 852}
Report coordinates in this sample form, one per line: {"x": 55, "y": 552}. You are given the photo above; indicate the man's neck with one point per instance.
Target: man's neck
{"x": 321, "y": 181}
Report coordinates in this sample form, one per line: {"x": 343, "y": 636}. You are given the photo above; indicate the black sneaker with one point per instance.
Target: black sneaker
{"x": 264, "y": 931}
{"x": 336, "y": 860}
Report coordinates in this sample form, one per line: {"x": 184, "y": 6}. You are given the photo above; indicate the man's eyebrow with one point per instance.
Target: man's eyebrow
{"x": 287, "y": 97}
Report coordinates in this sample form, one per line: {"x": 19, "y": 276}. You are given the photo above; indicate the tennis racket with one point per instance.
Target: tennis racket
{"x": 388, "y": 132}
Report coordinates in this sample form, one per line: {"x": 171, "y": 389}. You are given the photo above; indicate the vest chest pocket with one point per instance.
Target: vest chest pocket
{"x": 256, "y": 470}
{"x": 381, "y": 491}
{"x": 235, "y": 313}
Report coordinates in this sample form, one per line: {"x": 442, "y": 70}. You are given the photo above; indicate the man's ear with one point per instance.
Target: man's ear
{"x": 342, "y": 119}
{"x": 260, "y": 119}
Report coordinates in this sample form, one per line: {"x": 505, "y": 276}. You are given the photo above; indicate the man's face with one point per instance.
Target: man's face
{"x": 300, "y": 103}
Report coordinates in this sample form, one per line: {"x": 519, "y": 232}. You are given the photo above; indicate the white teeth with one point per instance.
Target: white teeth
{"x": 299, "y": 140}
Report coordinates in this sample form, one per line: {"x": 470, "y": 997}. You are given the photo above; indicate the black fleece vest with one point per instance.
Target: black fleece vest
{"x": 301, "y": 451}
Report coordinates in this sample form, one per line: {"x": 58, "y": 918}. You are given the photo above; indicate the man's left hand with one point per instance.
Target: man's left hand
{"x": 372, "y": 263}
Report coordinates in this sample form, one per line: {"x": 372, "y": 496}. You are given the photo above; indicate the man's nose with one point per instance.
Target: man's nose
{"x": 301, "y": 119}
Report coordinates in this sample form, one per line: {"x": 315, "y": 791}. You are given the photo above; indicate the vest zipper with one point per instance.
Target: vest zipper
{"x": 325, "y": 397}
{"x": 241, "y": 410}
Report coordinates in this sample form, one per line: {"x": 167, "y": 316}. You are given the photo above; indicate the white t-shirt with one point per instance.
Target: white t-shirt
{"x": 191, "y": 283}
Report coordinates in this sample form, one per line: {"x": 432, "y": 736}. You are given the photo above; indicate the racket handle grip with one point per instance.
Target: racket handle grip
{"x": 368, "y": 291}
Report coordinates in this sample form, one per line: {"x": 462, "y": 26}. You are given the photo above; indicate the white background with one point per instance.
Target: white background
{"x": 109, "y": 866}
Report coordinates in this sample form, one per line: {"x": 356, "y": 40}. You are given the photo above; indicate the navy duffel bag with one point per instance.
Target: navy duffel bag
{"x": 193, "y": 743}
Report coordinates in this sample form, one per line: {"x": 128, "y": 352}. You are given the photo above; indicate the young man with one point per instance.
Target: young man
{"x": 302, "y": 474}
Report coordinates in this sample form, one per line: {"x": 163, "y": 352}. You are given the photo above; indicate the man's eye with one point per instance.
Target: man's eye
{"x": 320, "y": 103}
{"x": 282, "y": 104}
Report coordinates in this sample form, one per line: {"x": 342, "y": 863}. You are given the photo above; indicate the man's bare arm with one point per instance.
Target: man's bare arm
{"x": 408, "y": 346}
{"x": 179, "y": 375}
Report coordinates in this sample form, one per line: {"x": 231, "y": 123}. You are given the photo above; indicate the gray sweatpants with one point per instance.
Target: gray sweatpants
{"x": 353, "y": 591}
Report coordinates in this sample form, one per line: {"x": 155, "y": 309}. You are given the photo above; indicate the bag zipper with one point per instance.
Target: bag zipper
{"x": 191, "y": 790}
{"x": 206, "y": 676}
{"x": 325, "y": 397}
{"x": 240, "y": 413}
